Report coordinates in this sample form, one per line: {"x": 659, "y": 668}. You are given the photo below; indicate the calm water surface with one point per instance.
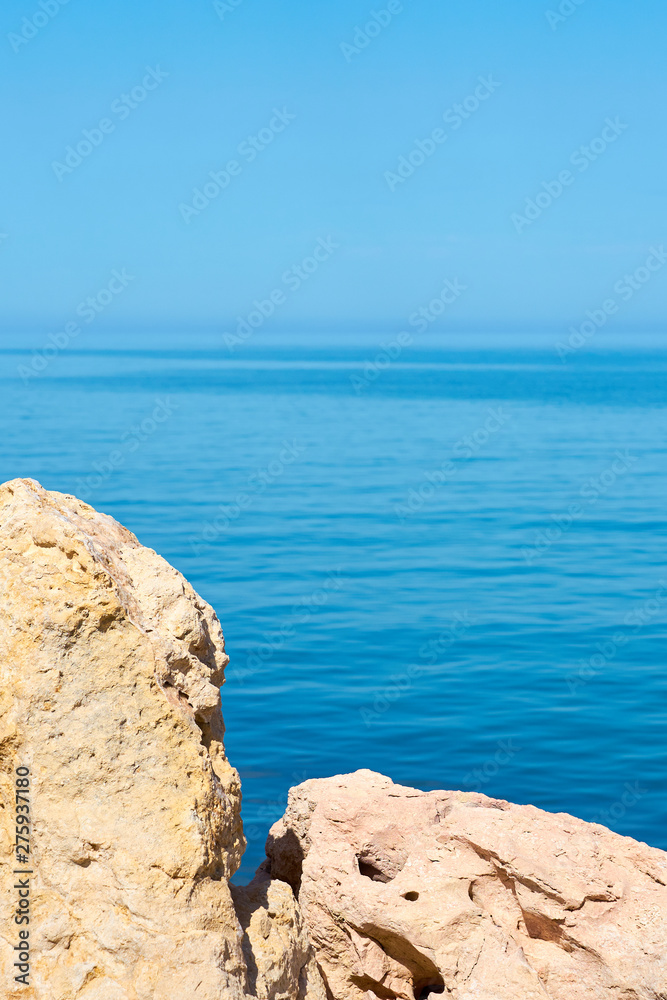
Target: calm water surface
{"x": 453, "y": 574}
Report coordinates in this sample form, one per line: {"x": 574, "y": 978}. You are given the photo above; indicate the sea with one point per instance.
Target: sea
{"x": 445, "y": 563}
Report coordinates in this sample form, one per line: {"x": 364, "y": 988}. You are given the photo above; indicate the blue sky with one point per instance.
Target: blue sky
{"x": 330, "y": 173}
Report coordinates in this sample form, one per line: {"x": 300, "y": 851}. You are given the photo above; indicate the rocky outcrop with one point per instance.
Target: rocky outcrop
{"x": 406, "y": 894}
{"x": 110, "y": 674}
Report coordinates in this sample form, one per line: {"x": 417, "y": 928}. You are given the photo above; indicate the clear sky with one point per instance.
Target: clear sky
{"x": 340, "y": 107}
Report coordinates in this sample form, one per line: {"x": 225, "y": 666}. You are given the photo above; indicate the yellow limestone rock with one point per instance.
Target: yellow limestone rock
{"x": 110, "y": 668}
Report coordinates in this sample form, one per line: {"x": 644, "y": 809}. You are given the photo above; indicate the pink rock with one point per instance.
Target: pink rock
{"x": 406, "y": 894}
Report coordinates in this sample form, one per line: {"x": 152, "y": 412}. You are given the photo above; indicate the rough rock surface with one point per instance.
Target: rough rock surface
{"x": 110, "y": 667}
{"x": 275, "y": 944}
{"x": 407, "y": 893}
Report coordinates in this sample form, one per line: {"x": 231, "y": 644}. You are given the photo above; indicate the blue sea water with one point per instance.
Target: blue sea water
{"x": 452, "y": 572}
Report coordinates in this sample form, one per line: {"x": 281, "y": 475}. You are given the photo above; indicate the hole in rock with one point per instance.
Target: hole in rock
{"x": 380, "y": 866}
{"x": 370, "y": 870}
{"x": 429, "y": 990}
{"x": 85, "y": 863}
{"x": 412, "y": 896}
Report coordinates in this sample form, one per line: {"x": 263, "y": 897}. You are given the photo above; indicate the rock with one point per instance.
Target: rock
{"x": 275, "y": 944}
{"x": 110, "y": 668}
{"x": 406, "y": 894}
